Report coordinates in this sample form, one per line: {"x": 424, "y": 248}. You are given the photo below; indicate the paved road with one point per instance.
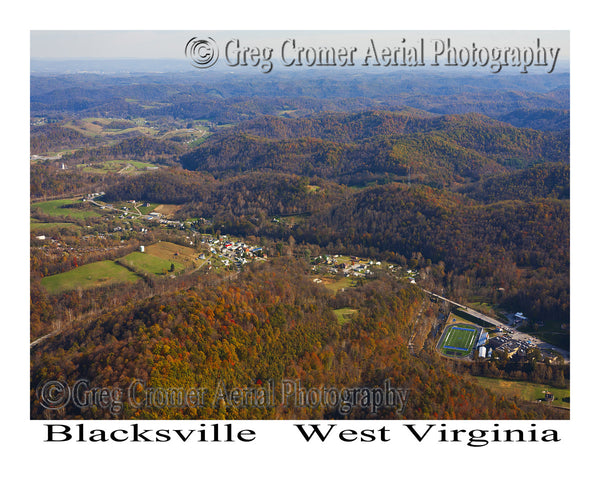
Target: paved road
{"x": 516, "y": 335}
{"x": 41, "y": 339}
{"x": 107, "y": 207}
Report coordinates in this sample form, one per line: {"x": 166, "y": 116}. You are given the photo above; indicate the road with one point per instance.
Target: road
{"x": 125, "y": 168}
{"x": 516, "y": 335}
{"x": 124, "y": 212}
{"x": 41, "y": 339}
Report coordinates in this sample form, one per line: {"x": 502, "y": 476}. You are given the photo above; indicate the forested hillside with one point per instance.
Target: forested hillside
{"x": 354, "y": 148}
{"x": 191, "y": 232}
{"x": 524, "y": 239}
{"x": 270, "y": 325}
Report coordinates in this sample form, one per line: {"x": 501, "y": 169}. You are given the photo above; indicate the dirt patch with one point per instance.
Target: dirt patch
{"x": 168, "y": 210}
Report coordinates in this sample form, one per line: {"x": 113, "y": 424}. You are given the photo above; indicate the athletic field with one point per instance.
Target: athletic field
{"x": 458, "y": 340}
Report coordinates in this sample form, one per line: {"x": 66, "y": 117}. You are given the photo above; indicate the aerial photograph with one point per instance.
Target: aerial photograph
{"x": 299, "y": 225}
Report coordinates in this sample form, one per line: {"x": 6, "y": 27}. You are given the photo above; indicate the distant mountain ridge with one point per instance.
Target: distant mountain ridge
{"x": 225, "y": 98}
{"x": 441, "y": 149}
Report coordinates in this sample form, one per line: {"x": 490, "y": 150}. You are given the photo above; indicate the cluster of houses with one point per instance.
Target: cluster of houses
{"x": 230, "y": 252}
{"x": 351, "y": 268}
{"x": 355, "y": 267}
{"x": 91, "y": 196}
{"x": 55, "y": 247}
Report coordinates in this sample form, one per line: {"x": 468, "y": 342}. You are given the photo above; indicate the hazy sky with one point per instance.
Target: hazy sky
{"x": 171, "y": 44}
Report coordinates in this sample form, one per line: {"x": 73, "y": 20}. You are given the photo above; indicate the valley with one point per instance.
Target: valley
{"x": 188, "y": 234}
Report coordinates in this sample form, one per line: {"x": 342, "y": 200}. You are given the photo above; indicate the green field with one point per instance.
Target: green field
{"x": 344, "y": 315}
{"x": 151, "y": 264}
{"x": 36, "y": 226}
{"x": 173, "y": 253}
{"x": 147, "y": 210}
{"x": 123, "y": 166}
{"x": 526, "y": 390}
{"x": 91, "y": 275}
{"x": 100, "y": 127}
{"x": 337, "y": 285}
{"x": 59, "y": 208}
{"x": 458, "y": 340}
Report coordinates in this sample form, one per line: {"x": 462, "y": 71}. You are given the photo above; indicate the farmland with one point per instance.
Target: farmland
{"x": 151, "y": 264}
{"x": 526, "y": 390}
{"x": 344, "y": 315}
{"x": 64, "y": 208}
{"x": 335, "y": 285}
{"x": 172, "y": 252}
{"x": 108, "y": 127}
{"x": 91, "y": 275}
{"x": 157, "y": 260}
{"x": 116, "y": 166}
{"x": 115, "y": 128}
{"x": 37, "y": 226}
{"x": 146, "y": 210}
{"x": 167, "y": 210}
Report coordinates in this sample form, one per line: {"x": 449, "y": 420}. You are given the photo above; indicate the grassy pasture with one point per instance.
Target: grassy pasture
{"x": 344, "y": 315}
{"x": 116, "y": 166}
{"x": 147, "y": 210}
{"x": 155, "y": 260}
{"x": 525, "y": 390}
{"x": 172, "y": 252}
{"x": 41, "y": 227}
{"x": 336, "y": 285}
{"x": 101, "y": 127}
{"x": 91, "y": 275}
{"x": 58, "y": 208}
{"x": 151, "y": 264}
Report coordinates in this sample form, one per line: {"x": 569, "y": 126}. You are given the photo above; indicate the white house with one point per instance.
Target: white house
{"x": 520, "y": 317}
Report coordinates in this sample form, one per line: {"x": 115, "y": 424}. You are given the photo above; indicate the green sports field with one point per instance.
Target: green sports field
{"x": 458, "y": 340}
